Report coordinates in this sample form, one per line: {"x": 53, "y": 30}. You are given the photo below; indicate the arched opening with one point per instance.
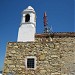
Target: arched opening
{"x": 27, "y": 18}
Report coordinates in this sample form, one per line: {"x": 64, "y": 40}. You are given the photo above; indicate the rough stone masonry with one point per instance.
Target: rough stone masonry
{"x": 55, "y": 55}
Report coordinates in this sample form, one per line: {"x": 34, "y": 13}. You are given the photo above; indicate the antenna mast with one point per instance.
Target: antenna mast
{"x": 46, "y": 28}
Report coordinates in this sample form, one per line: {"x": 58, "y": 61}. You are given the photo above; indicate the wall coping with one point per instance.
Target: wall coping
{"x": 55, "y": 34}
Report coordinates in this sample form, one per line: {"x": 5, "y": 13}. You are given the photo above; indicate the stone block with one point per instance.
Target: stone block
{"x": 63, "y": 74}
{"x": 13, "y": 66}
{"x": 6, "y": 70}
{"x": 52, "y": 45}
{"x": 43, "y": 72}
{"x": 13, "y": 51}
{"x": 54, "y": 56}
{"x": 42, "y": 57}
{"x": 56, "y": 73}
{"x": 15, "y": 46}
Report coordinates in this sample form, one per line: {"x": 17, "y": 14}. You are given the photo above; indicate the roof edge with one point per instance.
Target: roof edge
{"x": 55, "y": 34}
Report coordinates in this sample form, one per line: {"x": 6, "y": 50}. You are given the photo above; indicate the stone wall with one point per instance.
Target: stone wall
{"x": 54, "y": 56}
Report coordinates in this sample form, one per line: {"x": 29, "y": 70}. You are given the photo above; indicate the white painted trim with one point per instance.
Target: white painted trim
{"x": 34, "y": 57}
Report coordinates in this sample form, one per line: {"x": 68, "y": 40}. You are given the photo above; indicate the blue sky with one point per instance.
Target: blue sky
{"x": 60, "y": 14}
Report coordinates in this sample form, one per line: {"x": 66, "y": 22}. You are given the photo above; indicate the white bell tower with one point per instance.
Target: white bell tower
{"x": 27, "y": 28}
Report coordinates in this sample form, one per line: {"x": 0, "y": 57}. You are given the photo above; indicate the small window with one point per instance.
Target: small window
{"x": 30, "y": 62}
{"x": 27, "y": 18}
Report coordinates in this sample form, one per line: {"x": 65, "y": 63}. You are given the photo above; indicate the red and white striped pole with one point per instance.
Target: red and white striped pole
{"x": 45, "y": 19}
